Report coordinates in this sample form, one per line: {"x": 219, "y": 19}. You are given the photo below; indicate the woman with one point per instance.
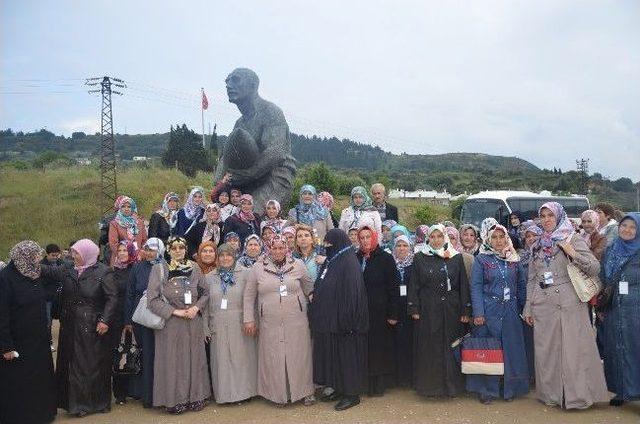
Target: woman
{"x": 422, "y": 233}
{"x": 178, "y": 293}
{"x": 226, "y": 208}
{"x": 126, "y": 226}
{"x": 89, "y": 303}
{"x": 381, "y": 281}
{"x": 27, "y": 391}
{"x": 403, "y": 330}
{"x": 608, "y": 225}
{"x": 289, "y": 234}
{"x": 163, "y": 221}
{"x": 326, "y": 199}
{"x": 309, "y": 211}
{"x": 233, "y": 240}
{"x": 621, "y": 323}
{"x": 272, "y": 218}
{"x": 267, "y": 235}
{"x": 126, "y": 256}
{"x": 208, "y": 229}
{"x": 498, "y": 291}
{"x": 562, "y": 331}
{"x": 339, "y": 321}
{"x": 387, "y": 235}
{"x": 590, "y": 221}
{"x": 234, "y": 355}
{"x": 515, "y": 220}
{"x": 439, "y": 303}
{"x": 306, "y": 250}
{"x": 253, "y": 248}
{"x": 191, "y": 213}
{"x": 280, "y": 286}
{"x": 470, "y": 239}
{"x": 152, "y": 254}
{"x": 243, "y": 223}
{"x": 360, "y": 212}
{"x": 454, "y": 239}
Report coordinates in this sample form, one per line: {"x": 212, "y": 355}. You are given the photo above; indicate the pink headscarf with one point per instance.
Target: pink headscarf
{"x": 88, "y": 251}
{"x": 595, "y": 218}
{"x": 452, "y": 231}
{"x": 326, "y": 199}
{"x": 274, "y": 203}
{"x": 132, "y": 254}
{"x": 246, "y": 216}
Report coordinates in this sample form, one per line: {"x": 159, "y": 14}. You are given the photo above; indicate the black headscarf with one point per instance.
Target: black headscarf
{"x": 338, "y": 240}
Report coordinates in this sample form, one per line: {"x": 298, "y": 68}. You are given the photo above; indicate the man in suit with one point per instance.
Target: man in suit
{"x": 386, "y": 210}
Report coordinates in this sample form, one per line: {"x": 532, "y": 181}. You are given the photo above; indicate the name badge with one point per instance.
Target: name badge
{"x": 187, "y": 297}
{"x": 403, "y": 290}
{"x": 223, "y": 303}
{"x": 623, "y": 287}
{"x": 507, "y": 294}
{"x": 448, "y": 284}
{"x": 283, "y": 290}
{"x": 548, "y": 278}
{"x": 323, "y": 274}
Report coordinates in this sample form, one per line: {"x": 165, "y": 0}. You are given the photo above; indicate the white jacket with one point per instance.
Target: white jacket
{"x": 357, "y": 219}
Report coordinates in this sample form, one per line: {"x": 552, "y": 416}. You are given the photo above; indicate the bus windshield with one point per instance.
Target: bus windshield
{"x": 474, "y": 211}
{"x": 529, "y": 206}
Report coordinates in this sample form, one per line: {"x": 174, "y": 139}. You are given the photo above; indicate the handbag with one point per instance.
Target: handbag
{"x": 586, "y": 287}
{"x": 143, "y": 315}
{"x": 127, "y": 358}
{"x": 481, "y": 355}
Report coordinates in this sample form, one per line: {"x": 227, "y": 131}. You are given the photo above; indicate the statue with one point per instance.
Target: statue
{"x": 256, "y": 158}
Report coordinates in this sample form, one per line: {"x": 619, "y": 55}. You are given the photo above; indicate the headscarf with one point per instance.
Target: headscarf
{"x": 117, "y": 202}
{"x": 244, "y": 258}
{"x": 130, "y": 223}
{"x": 230, "y": 235}
{"x": 485, "y": 226}
{"x": 564, "y": 228}
{"x": 132, "y": 254}
{"x": 279, "y": 238}
{"x": 289, "y": 230}
{"x": 389, "y": 223}
{"x": 156, "y": 244}
{"x": 448, "y": 224}
{"x": 185, "y": 265}
{"x": 212, "y": 229}
{"x": 206, "y": 268}
{"x": 508, "y": 254}
{"x": 247, "y": 217}
{"x": 400, "y": 228}
{"x": 326, "y": 199}
{"x": 374, "y": 240}
{"x": 621, "y": 250}
{"x": 528, "y": 227}
{"x": 476, "y": 230}
{"x": 165, "y": 212}
{"x": 191, "y": 210}
{"x": 422, "y": 233}
{"x": 447, "y": 250}
{"x": 275, "y": 203}
{"x": 26, "y": 257}
{"x": 276, "y": 223}
{"x": 309, "y": 213}
{"x": 362, "y": 192}
{"x": 226, "y": 274}
{"x": 453, "y": 231}
{"x": 595, "y": 218}
{"x": 401, "y": 264}
{"x": 338, "y": 240}
{"x": 88, "y": 251}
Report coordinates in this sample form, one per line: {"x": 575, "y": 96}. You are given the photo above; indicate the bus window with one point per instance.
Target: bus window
{"x": 528, "y": 207}
{"x": 474, "y": 211}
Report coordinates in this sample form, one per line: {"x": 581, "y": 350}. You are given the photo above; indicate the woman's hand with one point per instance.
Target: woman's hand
{"x": 529, "y": 320}
{"x": 180, "y": 313}
{"x": 192, "y": 312}
{"x": 9, "y": 356}
{"x": 567, "y": 248}
{"x": 479, "y": 321}
{"x": 465, "y": 319}
{"x": 392, "y": 321}
{"x": 102, "y": 328}
{"x": 415, "y": 316}
{"x": 250, "y": 328}
{"x": 320, "y": 259}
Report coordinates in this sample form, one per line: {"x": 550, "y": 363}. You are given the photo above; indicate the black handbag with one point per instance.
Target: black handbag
{"x": 127, "y": 358}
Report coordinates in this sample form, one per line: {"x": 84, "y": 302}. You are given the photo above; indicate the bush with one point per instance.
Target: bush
{"x": 430, "y": 214}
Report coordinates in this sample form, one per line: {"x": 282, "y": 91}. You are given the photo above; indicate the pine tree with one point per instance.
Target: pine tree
{"x": 185, "y": 151}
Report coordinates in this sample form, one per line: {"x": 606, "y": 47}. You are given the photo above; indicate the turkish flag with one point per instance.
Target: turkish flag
{"x": 205, "y": 102}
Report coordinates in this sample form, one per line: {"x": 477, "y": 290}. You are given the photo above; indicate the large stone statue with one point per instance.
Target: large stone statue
{"x": 257, "y": 156}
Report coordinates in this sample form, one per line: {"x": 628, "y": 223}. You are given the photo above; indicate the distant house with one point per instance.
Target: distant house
{"x": 83, "y": 161}
{"x": 141, "y": 158}
{"x": 428, "y": 195}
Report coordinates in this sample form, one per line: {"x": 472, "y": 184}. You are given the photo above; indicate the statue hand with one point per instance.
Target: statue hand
{"x": 241, "y": 176}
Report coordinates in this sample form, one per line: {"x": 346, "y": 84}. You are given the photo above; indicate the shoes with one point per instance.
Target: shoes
{"x": 347, "y": 402}
{"x": 309, "y": 400}
{"x": 485, "y": 400}
{"x": 509, "y": 399}
{"x": 82, "y": 414}
{"x": 105, "y": 410}
{"x": 616, "y": 402}
{"x": 121, "y": 401}
{"x": 147, "y": 405}
{"x": 333, "y": 396}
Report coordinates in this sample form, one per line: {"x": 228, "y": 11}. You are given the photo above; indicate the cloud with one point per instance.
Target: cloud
{"x": 88, "y": 125}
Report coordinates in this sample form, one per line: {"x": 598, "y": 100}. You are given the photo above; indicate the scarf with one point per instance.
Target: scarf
{"x": 156, "y": 244}
{"x": 621, "y": 250}
{"x": 476, "y": 230}
{"x": 529, "y": 227}
{"x": 88, "y": 251}
{"x": 421, "y": 233}
{"x": 508, "y": 254}
{"x": 446, "y": 251}
{"x": 548, "y": 240}
{"x": 595, "y": 218}
{"x": 132, "y": 254}
{"x": 226, "y": 279}
{"x": 308, "y": 213}
{"x": 485, "y": 226}
{"x": 26, "y": 257}
{"x": 374, "y": 241}
{"x": 453, "y": 231}
{"x": 191, "y": 210}
{"x": 326, "y": 199}
{"x": 169, "y": 214}
{"x": 130, "y": 222}
{"x": 366, "y": 205}
{"x": 402, "y": 264}
{"x": 212, "y": 229}
{"x": 247, "y": 260}
{"x": 205, "y": 267}
{"x": 182, "y": 266}
{"x": 247, "y": 217}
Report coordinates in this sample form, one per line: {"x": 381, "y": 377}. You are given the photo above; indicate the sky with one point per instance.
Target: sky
{"x": 549, "y": 81}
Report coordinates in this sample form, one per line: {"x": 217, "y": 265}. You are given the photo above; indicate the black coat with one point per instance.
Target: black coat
{"x": 194, "y": 238}
{"x": 238, "y": 226}
{"x": 51, "y": 286}
{"x": 27, "y": 387}
{"x": 381, "y": 281}
{"x": 159, "y": 228}
{"x": 403, "y": 336}
{"x": 83, "y": 366}
{"x": 439, "y": 324}
{"x": 391, "y": 213}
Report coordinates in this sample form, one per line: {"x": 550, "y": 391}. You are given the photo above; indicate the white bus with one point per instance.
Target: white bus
{"x": 500, "y": 204}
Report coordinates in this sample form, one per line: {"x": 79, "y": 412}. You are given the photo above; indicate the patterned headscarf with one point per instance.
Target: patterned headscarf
{"x": 528, "y": 227}
{"x": 564, "y": 228}
{"x": 165, "y": 212}
{"x": 185, "y": 265}
{"x": 453, "y": 232}
{"x": 247, "y": 217}
{"x": 486, "y": 225}
{"x": 247, "y": 260}
{"x": 88, "y": 251}
{"x": 621, "y": 250}
{"x": 365, "y": 194}
{"x": 326, "y": 199}
{"x": 130, "y": 223}
{"x": 476, "y": 231}
{"x": 132, "y": 254}
{"x": 401, "y": 264}
{"x": 446, "y": 251}
{"x": 191, "y": 210}
{"x": 595, "y": 218}
{"x": 156, "y": 244}
{"x": 206, "y": 268}
{"x": 230, "y": 235}
{"x": 422, "y": 233}
{"x": 508, "y": 254}
{"x": 227, "y": 278}
{"x": 211, "y": 229}
{"x": 308, "y": 213}
{"x": 279, "y": 238}
{"x": 26, "y": 257}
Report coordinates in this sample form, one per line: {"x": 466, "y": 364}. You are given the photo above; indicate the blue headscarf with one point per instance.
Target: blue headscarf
{"x": 308, "y": 213}
{"x": 621, "y": 250}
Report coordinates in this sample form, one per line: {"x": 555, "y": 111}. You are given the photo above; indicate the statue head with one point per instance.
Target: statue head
{"x": 242, "y": 84}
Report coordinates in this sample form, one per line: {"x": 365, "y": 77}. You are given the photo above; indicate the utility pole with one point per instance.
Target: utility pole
{"x": 583, "y": 168}
{"x": 108, "y": 181}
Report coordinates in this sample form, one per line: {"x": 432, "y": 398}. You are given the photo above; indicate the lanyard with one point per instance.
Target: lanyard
{"x": 446, "y": 271}
{"x": 328, "y": 262}
{"x": 364, "y": 263}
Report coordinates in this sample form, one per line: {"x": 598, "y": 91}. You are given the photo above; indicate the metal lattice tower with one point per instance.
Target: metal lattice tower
{"x": 108, "y": 170}
{"x": 583, "y": 168}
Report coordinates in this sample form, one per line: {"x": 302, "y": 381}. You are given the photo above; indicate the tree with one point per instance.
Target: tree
{"x": 321, "y": 177}
{"x": 185, "y": 151}
{"x": 46, "y": 158}
{"x": 623, "y": 184}
{"x": 78, "y": 135}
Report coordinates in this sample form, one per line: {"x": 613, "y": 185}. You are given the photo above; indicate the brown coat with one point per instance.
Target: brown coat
{"x": 284, "y": 341}
{"x": 598, "y": 245}
{"x": 117, "y": 233}
{"x": 567, "y": 362}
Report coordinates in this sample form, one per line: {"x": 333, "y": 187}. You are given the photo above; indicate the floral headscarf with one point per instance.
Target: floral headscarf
{"x": 308, "y": 213}
{"x": 595, "y": 218}
{"x": 191, "y": 210}
{"x": 280, "y": 238}
{"x": 183, "y": 266}
{"x": 26, "y": 257}
{"x": 244, "y": 258}
{"x": 446, "y": 251}
{"x": 88, "y": 251}
{"x": 247, "y": 217}
{"x": 156, "y": 244}
{"x": 453, "y": 231}
{"x": 508, "y": 254}
{"x": 528, "y": 227}
{"x": 132, "y": 254}
{"x": 130, "y": 223}
{"x": 164, "y": 211}
{"x": 487, "y": 224}
{"x": 422, "y": 233}
{"x": 211, "y": 229}
{"x": 326, "y": 199}
{"x": 564, "y": 228}
{"x": 365, "y": 194}
{"x": 401, "y": 264}
{"x": 621, "y": 250}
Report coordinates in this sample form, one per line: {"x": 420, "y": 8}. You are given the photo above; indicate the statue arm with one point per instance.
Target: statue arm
{"x": 275, "y": 137}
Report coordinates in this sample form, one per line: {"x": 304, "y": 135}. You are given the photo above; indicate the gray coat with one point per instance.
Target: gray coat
{"x": 567, "y": 363}
{"x": 234, "y": 356}
{"x": 180, "y": 366}
{"x": 284, "y": 341}
{"x": 321, "y": 227}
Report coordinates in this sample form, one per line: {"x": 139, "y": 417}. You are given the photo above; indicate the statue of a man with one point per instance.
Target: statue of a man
{"x": 257, "y": 156}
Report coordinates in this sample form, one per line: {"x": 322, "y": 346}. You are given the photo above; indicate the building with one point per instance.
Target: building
{"x": 430, "y": 196}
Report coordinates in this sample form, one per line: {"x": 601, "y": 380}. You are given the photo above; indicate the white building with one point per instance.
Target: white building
{"x": 427, "y": 195}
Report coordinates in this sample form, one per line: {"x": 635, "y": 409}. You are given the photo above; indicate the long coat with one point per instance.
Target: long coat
{"x": 27, "y": 389}
{"x": 403, "y": 332}
{"x": 83, "y": 365}
{"x": 491, "y": 278}
{"x": 436, "y": 371}
{"x": 621, "y": 334}
{"x": 159, "y": 227}
{"x": 121, "y": 279}
{"x": 180, "y": 366}
{"x": 234, "y": 355}
{"x": 568, "y": 367}
{"x": 284, "y": 342}
{"x": 241, "y": 228}
{"x": 184, "y": 224}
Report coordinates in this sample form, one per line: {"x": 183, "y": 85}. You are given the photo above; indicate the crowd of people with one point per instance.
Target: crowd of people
{"x": 305, "y": 304}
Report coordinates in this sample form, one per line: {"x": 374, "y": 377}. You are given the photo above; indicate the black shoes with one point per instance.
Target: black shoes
{"x": 616, "y": 402}
{"x": 347, "y": 402}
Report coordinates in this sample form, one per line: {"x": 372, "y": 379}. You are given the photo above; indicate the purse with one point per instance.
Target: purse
{"x": 143, "y": 315}
{"x": 481, "y": 355}
{"x": 586, "y": 287}
{"x": 127, "y": 358}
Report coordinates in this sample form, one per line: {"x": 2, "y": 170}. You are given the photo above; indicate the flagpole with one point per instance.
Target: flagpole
{"x": 202, "y": 110}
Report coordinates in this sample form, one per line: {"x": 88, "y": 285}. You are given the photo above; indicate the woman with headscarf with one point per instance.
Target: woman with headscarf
{"x": 208, "y": 229}
{"x": 621, "y": 322}
{"x": 233, "y": 240}
{"x": 191, "y": 213}
{"x": 515, "y": 220}
{"x": 339, "y": 322}
{"x": 163, "y": 221}
{"x": 361, "y": 212}
{"x": 569, "y": 373}
{"x": 244, "y": 222}
{"x": 27, "y": 391}
{"x": 272, "y": 218}
{"x": 178, "y": 293}
{"x": 439, "y": 303}
{"x": 498, "y": 291}
{"x": 454, "y": 239}
{"x": 152, "y": 254}
{"x": 387, "y": 235}
{"x": 381, "y": 281}
{"x": 326, "y": 199}
{"x": 89, "y": 301}
{"x": 234, "y": 355}
{"x": 306, "y": 250}
{"x": 470, "y": 239}
{"x": 403, "y": 330}
{"x": 422, "y": 233}
{"x": 226, "y": 207}
{"x": 253, "y": 248}
{"x": 590, "y": 222}
{"x": 309, "y": 211}
{"x": 126, "y": 226}
{"x": 280, "y": 285}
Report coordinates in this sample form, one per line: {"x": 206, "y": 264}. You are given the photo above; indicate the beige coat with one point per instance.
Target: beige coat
{"x": 567, "y": 362}
{"x": 321, "y": 227}
{"x": 234, "y": 356}
{"x": 285, "y": 370}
